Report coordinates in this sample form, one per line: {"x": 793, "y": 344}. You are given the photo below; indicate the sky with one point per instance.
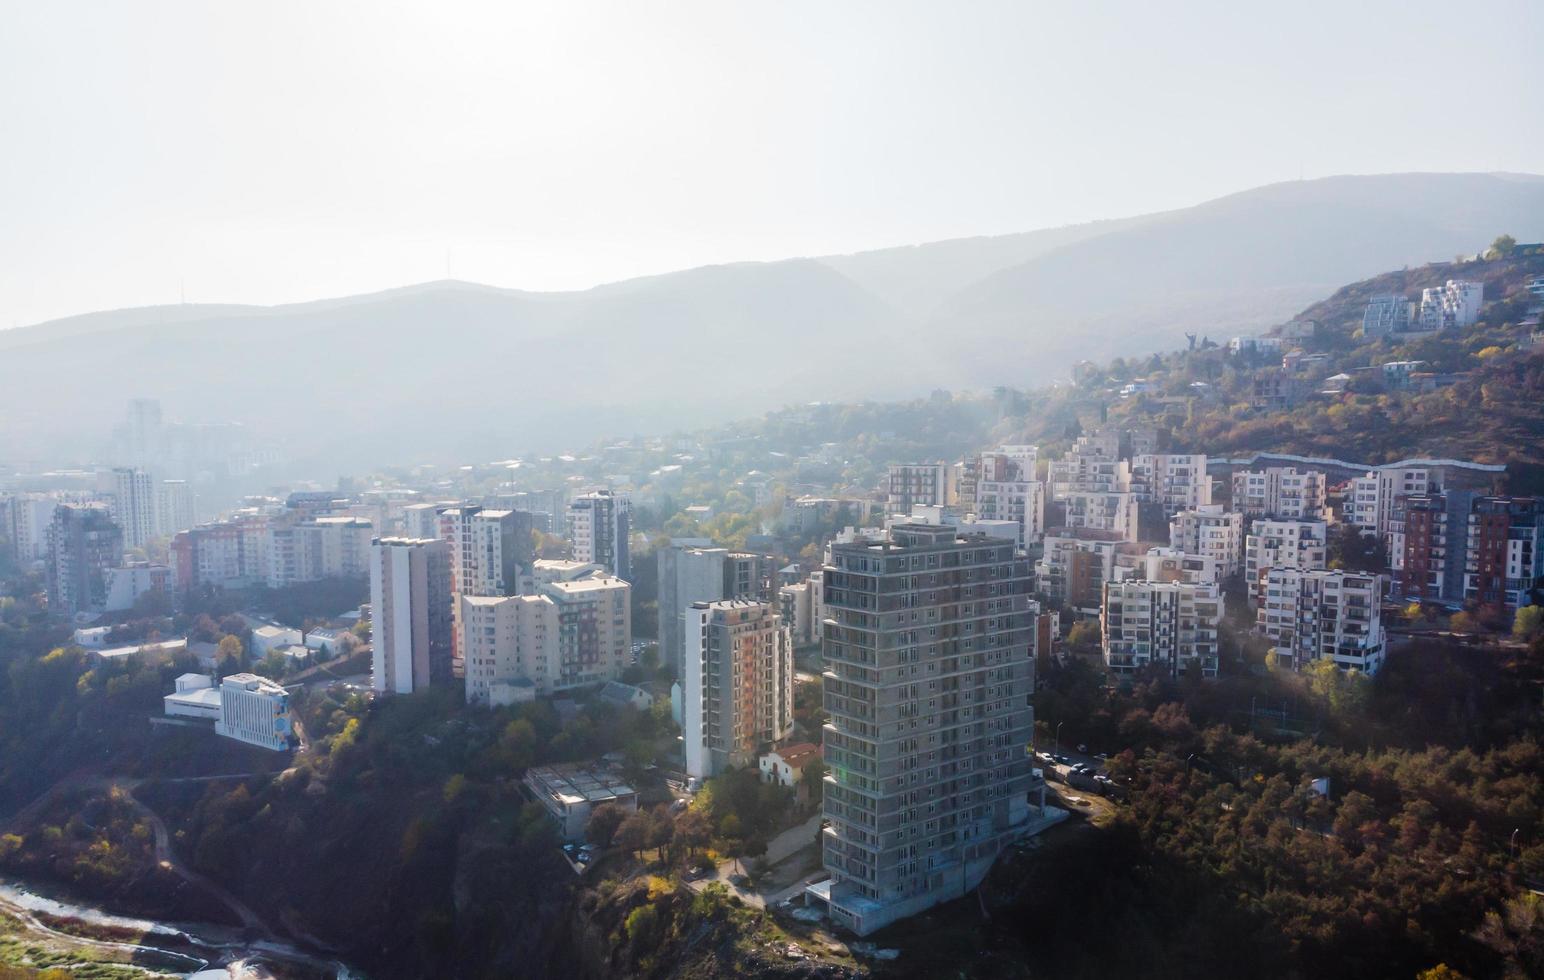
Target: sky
{"x": 158, "y": 152}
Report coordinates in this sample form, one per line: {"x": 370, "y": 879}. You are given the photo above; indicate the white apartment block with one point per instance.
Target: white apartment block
{"x": 1019, "y": 501}
{"x": 1283, "y": 544}
{"x": 174, "y": 507}
{"x": 1090, "y": 472}
{"x": 737, "y": 692}
{"x": 222, "y": 555}
{"x": 1168, "y": 565}
{"x": 1323, "y": 615}
{"x": 1097, "y": 511}
{"x": 1210, "y": 531}
{"x": 30, "y": 515}
{"x": 1170, "y": 625}
{"x": 133, "y": 504}
{"x": 1373, "y": 498}
{"x": 794, "y": 608}
{"x": 1455, "y": 304}
{"x": 1176, "y": 481}
{"x": 574, "y": 632}
{"x": 411, "y": 614}
{"x": 489, "y": 548}
{"x": 127, "y": 584}
{"x": 509, "y": 645}
{"x": 255, "y": 710}
{"x": 322, "y": 547}
{"x": 909, "y": 485}
{"x": 599, "y": 526}
{"x": 1280, "y": 492}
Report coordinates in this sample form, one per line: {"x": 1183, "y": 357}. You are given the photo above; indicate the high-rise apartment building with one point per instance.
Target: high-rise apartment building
{"x": 83, "y": 543}
{"x": 29, "y": 517}
{"x": 134, "y": 504}
{"x": 174, "y": 507}
{"x": 1099, "y": 511}
{"x": 575, "y": 631}
{"x": 910, "y": 485}
{"x": 929, "y": 665}
{"x": 1283, "y": 544}
{"x": 1280, "y": 492}
{"x": 1005, "y": 491}
{"x": 1171, "y": 625}
{"x": 221, "y": 555}
{"x": 737, "y": 691}
{"x": 1374, "y": 498}
{"x": 1174, "y": 481}
{"x": 1461, "y": 546}
{"x": 1210, "y": 531}
{"x": 692, "y": 570}
{"x": 410, "y": 614}
{"x": 599, "y": 526}
{"x": 1317, "y": 614}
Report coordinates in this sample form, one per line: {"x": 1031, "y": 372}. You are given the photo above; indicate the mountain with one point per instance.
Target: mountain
{"x": 1234, "y": 265}
{"x": 454, "y": 371}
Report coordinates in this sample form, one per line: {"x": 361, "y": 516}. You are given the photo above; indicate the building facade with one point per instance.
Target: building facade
{"x": 737, "y": 692}
{"x": 1210, "y": 531}
{"x": 1280, "y": 492}
{"x": 84, "y": 542}
{"x": 1317, "y": 614}
{"x": 411, "y": 614}
{"x": 1170, "y": 625}
{"x": 1283, "y": 544}
{"x": 929, "y": 667}
{"x": 600, "y": 526}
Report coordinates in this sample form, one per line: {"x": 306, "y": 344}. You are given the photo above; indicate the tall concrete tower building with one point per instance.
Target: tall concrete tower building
{"x": 737, "y": 691}
{"x": 599, "y": 525}
{"x": 929, "y": 654}
{"x": 410, "y": 614}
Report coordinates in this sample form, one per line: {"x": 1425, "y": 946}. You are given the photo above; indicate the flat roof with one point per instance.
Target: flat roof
{"x": 578, "y": 784}
{"x": 200, "y": 697}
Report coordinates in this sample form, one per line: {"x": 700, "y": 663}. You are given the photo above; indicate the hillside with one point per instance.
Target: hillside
{"x": 1484, "y": 400}
{"x": 451, "y": 371}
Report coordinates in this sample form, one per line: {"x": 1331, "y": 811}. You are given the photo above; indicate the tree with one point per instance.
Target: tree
{"x": 1463, "y": 622}
{"x": 633, "y": 833}
{"x": 603, "y": 825}
{"x": 1529, "y": 623}
{"x": 1502, "y": 246}
{"x": 231, "y": 649}
{"x": 692, "y": 831}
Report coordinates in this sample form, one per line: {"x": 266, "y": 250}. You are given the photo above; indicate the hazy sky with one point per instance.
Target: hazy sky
{"x": 271, "y": 152}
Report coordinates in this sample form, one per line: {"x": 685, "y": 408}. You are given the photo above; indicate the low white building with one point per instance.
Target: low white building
{"x": 785, "y": 766}
{"x": 570, "y": 794}
{"x": 195, "y": 697}
{"x": 255, "y": 710}
{"x": 272, "y": 636}
{"x": 91, "y": 637}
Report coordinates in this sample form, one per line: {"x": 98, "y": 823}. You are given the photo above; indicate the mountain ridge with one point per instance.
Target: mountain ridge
{"x": 468, "y": 368}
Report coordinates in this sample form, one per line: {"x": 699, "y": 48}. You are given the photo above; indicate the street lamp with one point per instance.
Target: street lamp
{"x": 1056, "y": 742}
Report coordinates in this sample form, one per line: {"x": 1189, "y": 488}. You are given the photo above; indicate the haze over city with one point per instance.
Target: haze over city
{"x": 284, "y": 152}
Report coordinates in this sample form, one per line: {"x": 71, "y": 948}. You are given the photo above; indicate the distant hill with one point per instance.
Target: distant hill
{"x": 455, "y": 371}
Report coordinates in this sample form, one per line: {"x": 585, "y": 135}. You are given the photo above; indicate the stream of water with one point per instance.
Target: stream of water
{"x": 201, "y": 951}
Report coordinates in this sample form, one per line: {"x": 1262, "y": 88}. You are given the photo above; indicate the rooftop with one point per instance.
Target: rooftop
{"x": 570, "y": 784}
